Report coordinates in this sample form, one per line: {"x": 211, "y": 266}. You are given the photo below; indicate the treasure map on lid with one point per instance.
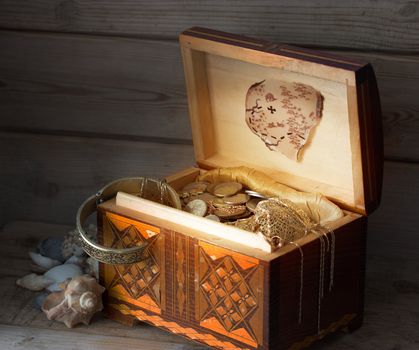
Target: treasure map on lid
{"x": 283, "y": 114}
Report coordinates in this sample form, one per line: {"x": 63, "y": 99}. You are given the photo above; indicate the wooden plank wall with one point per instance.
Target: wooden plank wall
{"x": 91, "y": 91}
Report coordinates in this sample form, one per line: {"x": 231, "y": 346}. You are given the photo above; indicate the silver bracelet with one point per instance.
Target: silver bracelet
{"x": 137, "y": 185}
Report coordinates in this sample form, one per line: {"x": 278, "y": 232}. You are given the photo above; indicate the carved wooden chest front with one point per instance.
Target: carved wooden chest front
{"x": 228, "y": 299}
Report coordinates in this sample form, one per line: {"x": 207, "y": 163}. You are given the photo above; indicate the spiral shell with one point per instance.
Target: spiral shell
{"x": 79, "y": 300}
{"x": 88, "y": 301}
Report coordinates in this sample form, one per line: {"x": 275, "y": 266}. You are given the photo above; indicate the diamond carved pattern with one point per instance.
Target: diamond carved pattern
{"x": 140, "y": 279}
{"x": 229, "y": 296}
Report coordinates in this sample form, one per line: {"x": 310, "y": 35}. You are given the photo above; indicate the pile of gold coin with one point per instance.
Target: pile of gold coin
{"x": 278, "y": 220}
{"x": 225, "y": 202}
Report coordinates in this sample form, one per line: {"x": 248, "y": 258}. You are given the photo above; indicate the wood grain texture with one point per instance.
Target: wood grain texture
{"x": 129, "y": 88}
{"x": 21, "y": 338}
{"x": 392, "y": 300}
{"x": 393, "y": 228}
{"x": 398, "y": 84}
{"x": 384, "y": 25}
{"x": 47, "y": 177}
{"x": 92, "y": 84}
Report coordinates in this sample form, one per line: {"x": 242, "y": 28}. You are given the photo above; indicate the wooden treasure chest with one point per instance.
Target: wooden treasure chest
{"x": 306, "y": 119}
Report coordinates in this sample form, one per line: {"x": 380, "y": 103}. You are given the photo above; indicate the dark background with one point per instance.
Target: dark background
{"x": 94, "y": 90}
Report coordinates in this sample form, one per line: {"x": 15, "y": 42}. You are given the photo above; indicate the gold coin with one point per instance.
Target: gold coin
{"x": 227, "y": 189}
{"x": 251, "y": 205}
{"x": 218, "y": 203}
{"x": 195, "y": 187}
{"x": 230, "y": 211}
{"x": 196, "y": 191}
{"x": 206, "y": 197}
{"x": 211, "y": 187}
{"x": 246, "y": 214}
{"x": 239, "y": 198}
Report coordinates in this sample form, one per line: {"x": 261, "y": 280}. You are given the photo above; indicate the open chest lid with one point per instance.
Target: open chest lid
{"x": 310, "y": 120}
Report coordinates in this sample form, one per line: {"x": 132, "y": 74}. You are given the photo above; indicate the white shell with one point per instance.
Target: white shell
{"x": 92, "y": 267}
{"x": 43, "y": 261}
{"x": 76, "y": 260}
{"x": 88, "y": 301}
{"x": 36, "y": 268}
{"x": 79, "y": 300}
{"x": 34, "y": 282}
{"x": 61, "y": 273}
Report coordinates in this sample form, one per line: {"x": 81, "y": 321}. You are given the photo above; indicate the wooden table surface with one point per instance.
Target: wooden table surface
{"x": 391, "y": 318}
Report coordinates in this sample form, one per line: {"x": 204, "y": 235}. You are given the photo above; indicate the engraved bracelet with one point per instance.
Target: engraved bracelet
{"x": 115, "y": 256}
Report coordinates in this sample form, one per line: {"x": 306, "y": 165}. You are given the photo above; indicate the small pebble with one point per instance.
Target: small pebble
{"x": 197, "y": 207}
{"x": 213, "y": 217}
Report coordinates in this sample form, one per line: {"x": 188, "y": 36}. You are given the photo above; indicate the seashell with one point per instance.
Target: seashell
{"x": 61, "y": 273}
{"x": 92, "y": 267}
{"x": 79, "y": 300}
{"x": 51, "y": 248}
{"x": 36, "y": 268}
{"x": 43, "y": 261}
{"x": 88, "y": 301}
{"x": 34, "y": 282}
{"x": 71, "y": 244}
{"x": 76, "y": 260}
